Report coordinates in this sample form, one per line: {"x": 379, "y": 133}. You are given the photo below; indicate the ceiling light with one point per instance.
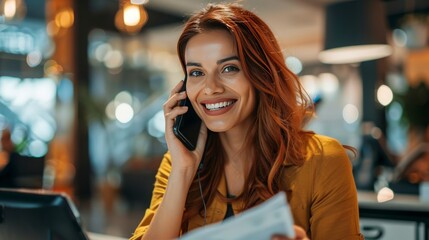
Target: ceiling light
{"x": 130, "y": 18}
{"x": 355, "y": 31}
{"x": 12, "y": 9}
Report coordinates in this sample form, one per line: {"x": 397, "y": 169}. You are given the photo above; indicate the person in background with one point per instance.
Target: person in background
{"x": 252, "y": 144}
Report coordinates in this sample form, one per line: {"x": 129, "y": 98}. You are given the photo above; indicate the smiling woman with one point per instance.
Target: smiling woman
{"x": 251, "y": 144}
{"x": 220, "y": 92}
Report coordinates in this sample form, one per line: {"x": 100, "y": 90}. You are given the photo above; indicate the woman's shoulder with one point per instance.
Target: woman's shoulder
{"x": 322, "y": 149}
{"x": 325, "y": 157}
{"x": 325, "y": 153}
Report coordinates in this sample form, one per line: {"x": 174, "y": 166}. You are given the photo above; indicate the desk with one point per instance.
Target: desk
{"x": 401, "y": 207}
{"x": 97, "y": 236}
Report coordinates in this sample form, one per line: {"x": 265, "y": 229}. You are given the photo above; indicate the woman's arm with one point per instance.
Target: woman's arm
{"x": 162, "y": 220}
{"x": 168, "y": 201}
{"x": 159, "y": 190}
{"x": 167, "y": 220}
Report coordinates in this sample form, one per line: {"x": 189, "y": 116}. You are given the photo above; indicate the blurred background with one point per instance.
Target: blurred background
{"x": 82, "y": 83}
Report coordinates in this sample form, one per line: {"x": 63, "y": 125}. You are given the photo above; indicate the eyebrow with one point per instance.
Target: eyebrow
{"x": 227, "y": 59}
{"x": 217, "y": 62}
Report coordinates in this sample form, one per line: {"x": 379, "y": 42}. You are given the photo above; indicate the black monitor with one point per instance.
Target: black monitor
{"x": 39, "y": 215}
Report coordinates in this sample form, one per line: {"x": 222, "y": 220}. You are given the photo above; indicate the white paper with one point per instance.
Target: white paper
{"x": 260, "y": 222}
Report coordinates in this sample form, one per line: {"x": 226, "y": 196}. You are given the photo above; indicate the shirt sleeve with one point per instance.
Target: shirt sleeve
{"x": 334, "y": 209}
{"x": 160, "y": 186}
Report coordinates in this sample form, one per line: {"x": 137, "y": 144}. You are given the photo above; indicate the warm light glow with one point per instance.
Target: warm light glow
{"x": 10, "y": 8}
{"x": 355, "y": 54}
{"x": 52, "y": 68}
{"x": 130, "y": 18}
{"x": 64, "y": 18}
{"x": 52, "y": 29}
{"x": 385, "y": 194}
{"x": 384, "y": 95}
{"x": 131, "y": 15}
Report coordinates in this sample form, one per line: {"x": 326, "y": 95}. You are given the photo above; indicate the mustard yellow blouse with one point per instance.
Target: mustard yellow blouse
{"x": 321, "y": 193}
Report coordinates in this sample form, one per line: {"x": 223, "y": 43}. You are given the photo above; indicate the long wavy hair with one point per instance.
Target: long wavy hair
{"x": 282, "y": 106}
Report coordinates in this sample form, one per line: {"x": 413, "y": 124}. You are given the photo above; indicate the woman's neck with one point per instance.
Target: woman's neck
{"x": 237, "y": 152}
{"x": 232, "y": 144}
{"x": 233, "y": 141}
{"x": 238, "y": 156}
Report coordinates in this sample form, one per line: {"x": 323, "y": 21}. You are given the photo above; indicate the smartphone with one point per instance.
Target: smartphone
{"x": 187, "y": 126}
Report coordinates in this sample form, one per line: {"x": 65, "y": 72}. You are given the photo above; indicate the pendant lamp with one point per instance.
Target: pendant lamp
{"x": 355, "y": 31}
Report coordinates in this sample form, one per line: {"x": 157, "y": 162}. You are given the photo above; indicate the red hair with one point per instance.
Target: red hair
{"x": 282, "y": 105}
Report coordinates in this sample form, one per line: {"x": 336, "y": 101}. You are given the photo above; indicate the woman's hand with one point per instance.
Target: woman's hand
{"x": 299, "y": 235}
{"x": 183, "y": 160}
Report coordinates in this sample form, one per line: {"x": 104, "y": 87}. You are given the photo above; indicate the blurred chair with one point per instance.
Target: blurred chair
{"x": 372, "y": 157}
{"x": 137, "y": 181}
{"x": 411, "y": 170}
{"x": 137, "y": 187}
{"x": 23, "y": 172}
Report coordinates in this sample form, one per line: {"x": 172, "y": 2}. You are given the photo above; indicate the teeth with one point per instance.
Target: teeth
{"x": 217, "y": 106}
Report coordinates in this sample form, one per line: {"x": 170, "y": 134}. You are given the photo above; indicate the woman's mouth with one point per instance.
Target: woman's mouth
{"x": 218, "y": 106}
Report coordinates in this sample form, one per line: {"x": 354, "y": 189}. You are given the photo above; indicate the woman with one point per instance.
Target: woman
{"x": 251, "y": 141}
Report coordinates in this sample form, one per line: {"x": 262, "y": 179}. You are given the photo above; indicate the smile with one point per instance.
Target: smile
{"x": 218, "y": 106}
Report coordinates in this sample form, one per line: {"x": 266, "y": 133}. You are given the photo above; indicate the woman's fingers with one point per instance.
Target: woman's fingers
{"x": 300, "y": 234}
{"x": 279, "y": 237}
{"x": 171, "y": 108}
{"x": 176, "y": 88}
{"x": 172, "y": 104}
{"x": 174, "y": 97}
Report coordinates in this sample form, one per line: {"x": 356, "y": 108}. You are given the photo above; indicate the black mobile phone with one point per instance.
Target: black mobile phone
{"x": 187, "y": 126}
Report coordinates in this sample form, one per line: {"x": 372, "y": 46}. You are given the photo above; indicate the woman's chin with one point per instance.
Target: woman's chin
{"x": 217, "y": 127}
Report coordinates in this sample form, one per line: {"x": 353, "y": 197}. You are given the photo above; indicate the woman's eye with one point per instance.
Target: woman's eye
{"x": 196, "y": 73}
{"x": 228, "y": 69}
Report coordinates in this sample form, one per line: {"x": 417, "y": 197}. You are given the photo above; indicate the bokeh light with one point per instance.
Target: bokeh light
{"x": 384, "y": 95}
{"x": 350, "y": 113}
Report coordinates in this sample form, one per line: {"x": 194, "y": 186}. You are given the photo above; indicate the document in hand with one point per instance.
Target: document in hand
{"x": 260, "y": 222}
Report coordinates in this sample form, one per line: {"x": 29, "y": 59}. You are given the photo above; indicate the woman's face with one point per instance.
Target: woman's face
{"x": 219, "y": 91}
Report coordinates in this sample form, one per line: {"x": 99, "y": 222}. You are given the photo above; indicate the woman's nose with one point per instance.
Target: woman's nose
{"x": 213, "y": 85}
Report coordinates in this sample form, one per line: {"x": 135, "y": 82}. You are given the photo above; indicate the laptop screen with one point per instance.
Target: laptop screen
{"x": 38, "y": 214}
